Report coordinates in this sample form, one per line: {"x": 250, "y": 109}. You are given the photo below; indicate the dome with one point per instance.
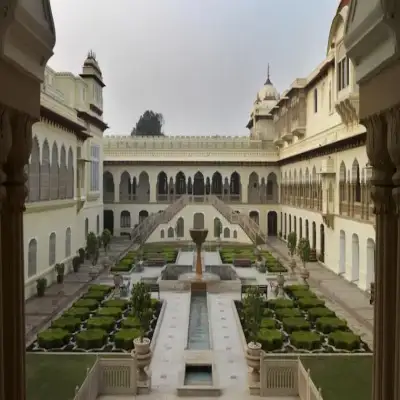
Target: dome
{"x": 91, "y": 61}
{"x": 267, "y": 96}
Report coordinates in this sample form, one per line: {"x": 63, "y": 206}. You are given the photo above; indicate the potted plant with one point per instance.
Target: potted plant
{"x": 76, "y": 263}
{"x": 303, "y": 250}
{"x": 41, "y": 285}
{"x": 60, "y": 270}
{"x": 253, "y": 308}
{"x": 106, "y": 239}
{"x": 218, "y": 231}
{"x": 81, "y": 253}
{"x": 92, "y": 247}
{"x": 292, "y": 243}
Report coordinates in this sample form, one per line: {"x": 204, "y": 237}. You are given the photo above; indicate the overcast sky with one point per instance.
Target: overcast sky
{"x": 198, "y": 62}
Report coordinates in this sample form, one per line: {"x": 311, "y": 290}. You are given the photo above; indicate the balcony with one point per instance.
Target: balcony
{"x": 287, "y": 136}
{"x": 279, "y": 142}
{"x": 298, "y": 128}
{"x": 347, "y": 106}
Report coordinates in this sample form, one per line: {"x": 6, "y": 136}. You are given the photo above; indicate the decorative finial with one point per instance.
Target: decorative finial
{"x": 91, "y": 55}
{"x": 268, "y": 81}
{"x": 268, "y": 72}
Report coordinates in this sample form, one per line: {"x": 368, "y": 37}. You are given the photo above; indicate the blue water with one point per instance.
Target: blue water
{"x": 199, "y": 334}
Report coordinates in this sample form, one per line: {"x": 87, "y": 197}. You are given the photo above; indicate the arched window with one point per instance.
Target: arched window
{"x": 68, "y": 243}
{"x": 52, "y": 249}
{"x": 32, "y": 258}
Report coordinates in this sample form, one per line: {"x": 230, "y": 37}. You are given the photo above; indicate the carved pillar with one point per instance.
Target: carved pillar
{"x": 384, "y": 378}
{"x": 393, "y": 124}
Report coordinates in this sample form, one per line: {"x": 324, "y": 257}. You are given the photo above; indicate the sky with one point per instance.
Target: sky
{"x": 198, "y": 62}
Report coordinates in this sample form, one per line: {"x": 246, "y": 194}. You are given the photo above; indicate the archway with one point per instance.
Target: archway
{"x": 355, "y": 259}
{"x": 198, "y": 221}
{"x": 180, "y": 183}
{"x": 125, "y": 221}
{"x": 272, "y": 188}
{"x": 216, "y": 184}
{"x": 143, "y": 214}
{"x": 300, "y": 228}
{"x": 227, "y": 233}
{"x": 307, "y": 231}
{"x": 322, "y": 242}
{"x": 162, "y": 186}
{"x": 125, "y": 187}
{"x": 180, "y": 227}
{"x": 235, "y": 187}
{"x": 217, "y": 226}
{"x": 108, "y": 187}
{"x": 108, "y": 220}
{"x": 143, "y": 188}
{"x": 255, "y": 216}
{"x": 170, "y": 232}
{"x": 314, "y": 236}
{"x": 198, "y": 184}
{"x": 370, "y": 262}
{"x": 272, "y": 223}
{"x": 253, "y": 189}
{"x": 342, "y": 253}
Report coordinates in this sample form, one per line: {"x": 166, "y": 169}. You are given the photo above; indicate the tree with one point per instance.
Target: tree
{"x": 92, "y": 247}
{"x": 149, "y": 124}
{"x": 253, "y": 309}
{"x": 303, "y": 249}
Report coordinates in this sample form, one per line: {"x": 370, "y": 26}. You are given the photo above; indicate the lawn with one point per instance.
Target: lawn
{"x": 55, "y": 376}
{"x": 341, "y": 377}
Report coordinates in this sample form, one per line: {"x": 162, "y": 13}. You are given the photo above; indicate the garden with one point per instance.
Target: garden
{"x": 248, "y": 256}
{"x": 98, "y": 323}
{"x": 300, "y": 322}
{"x": 147, "y": 255}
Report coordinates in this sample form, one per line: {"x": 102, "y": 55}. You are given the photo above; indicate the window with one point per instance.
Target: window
{"x": 68, "y": 243}
{"x": 343, "y": 72}
{"x": 95, "y": 168}
{"x": 98, "y": 224}
{"x": 52, "y": 249}
{"x": 330, "y": 96}
{"x": 32, "y": 258}
{"x": 315, "y": 100}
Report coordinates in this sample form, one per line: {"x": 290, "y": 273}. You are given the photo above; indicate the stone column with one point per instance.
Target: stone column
{"x": 393, "y": 124}
{"x": 384, "y": 379}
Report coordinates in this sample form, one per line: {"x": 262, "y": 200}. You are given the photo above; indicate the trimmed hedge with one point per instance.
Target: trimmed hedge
{"x": 280, "y": 303}
{"x": 295, "y": 324}
{"x": 123, "y": 339}
{"x": 78, "y": 312}
{"x": 301, "y": 294}
{"x": 53, "y": 338}
{"x": 91, "y": 304}
{"x": 100, "y": 288}
{"x": 330, "y": 324}
{"x": 270, "y": 339}
{"x": 287, "y": 313}
{"x": 310, "y": 302}
{"x": 104, "y": 323}
{"x": 344, "y": 340}
{"x": 305, "y": 340}
{"x": 114, "y": 312}
{"x": 95, "y": 295}
{"x": 117, "y": 303}
{"x": 91, "y": 339}
{"x": 268, "y": 323}
{"x": 69, "y": 324}
{"x": 130, "y": 322}
{"x": 319, "y": 312}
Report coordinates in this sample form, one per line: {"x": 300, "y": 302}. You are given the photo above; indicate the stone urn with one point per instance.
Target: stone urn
{"x": 253, "y": 358}
{"x": 280, "y": 282}
{"x": 305, "y": 274}
{"x": 92, "y": 272}
{"x": 143, "y": 356}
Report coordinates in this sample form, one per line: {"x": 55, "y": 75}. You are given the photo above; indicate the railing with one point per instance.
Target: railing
{"x": 306, "y": 387}
{"x": 109, "y": 376}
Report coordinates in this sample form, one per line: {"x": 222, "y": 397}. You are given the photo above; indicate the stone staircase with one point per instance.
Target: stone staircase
{"x": 143, "y": 231}
{"x": 251, "y": 228}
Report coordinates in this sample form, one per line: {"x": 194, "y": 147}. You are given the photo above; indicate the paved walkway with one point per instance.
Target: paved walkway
{"x": 39, "y": 311}
{"x": 346, "y": 299}
{"x": 212, "y": 258}
{"x": 185, "y": 258}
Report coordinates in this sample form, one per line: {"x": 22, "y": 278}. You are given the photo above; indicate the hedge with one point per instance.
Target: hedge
{"x": 270, "y": 339}
{"x": 91, "y": 304}
{"x": 123, "y": 339}
{"x": 295, "y": 324}
{"x": 280, "y": 303}
{"x": 330, "y": 324}
{"x": 79, "y": 312}
{"x": 69, "y": 324}
{"x": 319, "y": 312}
{"x": 268, "y": 323}
{"x": 91, "y": 339}
{"x": 305, "y": 340}
{"x": 104, "y": 323}
{"x": 100, "y": 288}
{"x": 344, "y": 340}
{"x": 287, "y": 312}
{"x": 53, "y": 338}
{"x": 309, "y": 302}
{"x": 130, "y": 322}
{"x": 110, "y": 312}
{"x": 118, "y": 303}
{"x": 95, "y": 295}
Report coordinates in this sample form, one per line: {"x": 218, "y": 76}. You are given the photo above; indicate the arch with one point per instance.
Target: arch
{"x": 198, "y": 184}
{"x": 86, "y": 227}
{"x": 217, "y": 225}
{"x": 70, "y": 174}
{"x": 162, "y": 186}
{"x": 68, "y": 243}
{"x": 143, "y": 214}
{"x": 295, "y": 225}
{"x": 314, "y": 235}
{"x": 322, "y": 242}
{"x": 198, "y": 221}
{"x": 143, "y": 188}
{"x": 162, "y": 234}
{"x": 342, "y": 252}
{"x": 216, "y": 183}
{"x": 255, "y": 216}
{"x": 300, "y": 228}
{"x": 253, "y": 188}
{"x": 208, "y": 186}
{"x": 125, "y": 220}
{"x": 355, "y": 258}
{"x": 180, "y": 227}
{"x": 54, "y": 173}
{"x": 170, "y": 232}
{"x": 235, "y": 187}
{"x": 108, "y": 220}
{"x": 34, "y": 171}
{"x": 108, "y": 187}
{"x": 52, "y": 248}
{"x": 32, "y": 258}
{"x": 63, "y": 174}
{"x": 307, "y": 230}
{"x": 227, "y": 233}
{"x": 356, "y": 180}
{"x": 272, "y": 218}
{"x": 272, "y": 188}
{"x": 98, "y": 224}
{"x": 370, "y": 262}
{"x": 235, "y": 234}
{"x": 180, "y": 183}
{"x": 125, "y": 187}
{"x": 45, "y": 172}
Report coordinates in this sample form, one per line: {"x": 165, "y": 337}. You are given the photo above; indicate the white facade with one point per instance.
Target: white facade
{"x": 65, "y": 173}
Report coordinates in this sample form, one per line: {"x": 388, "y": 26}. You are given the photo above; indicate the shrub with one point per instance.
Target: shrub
{"x": 315, "y": 313}
{"x": 69, "y": 324}
{"x": 267, "y": 312}
{"x": 305, "y": 340}
{"x": 130, "y": 322}
{"x": 78, "y": 312}
{"x": 270, "y": 339}
{"x": 121, "y": 267}
{"x": 104, "y": 323}
{"x": 156, "y": 304}
{"x": 330, "y": 324}
{"x": 124, "y": 338}
{"x": 276, "y": 268}
{"x": 53, "y": 338}
{"x": 117, "y": 303}
{"x": 91, "y": 304}
{"x": 91, "y": 339}
{"x": 288, "y": 313}
{"x": 94, "y": 295}
{"x": 113, "y": 312}
{"x": 268, "y": 323}
{"x": 344, "y": 340}
{"x": 306, "y": 303}
{"x": 289, "y": 289}
{"x": 100, "y": 288}
{"x": 280, "y": 303}
{"x": 141, "y": 305}
{"x": 300, "y": 294}
{"x": 295, "y": 324}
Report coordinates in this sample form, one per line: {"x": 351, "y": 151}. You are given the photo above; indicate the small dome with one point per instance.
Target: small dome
{"x": 267, "y": 96}
{"x": 91, "y": 61}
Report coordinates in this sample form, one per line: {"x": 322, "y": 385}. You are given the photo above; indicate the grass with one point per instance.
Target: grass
{"x": 341, "y": 377}
{"x": 55, "y": 376}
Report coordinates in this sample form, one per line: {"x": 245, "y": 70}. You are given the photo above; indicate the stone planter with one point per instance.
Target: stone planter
{"x": 253, "y": 357}
{"x": 143, "y": 356}
{"x": 305, "y": 274}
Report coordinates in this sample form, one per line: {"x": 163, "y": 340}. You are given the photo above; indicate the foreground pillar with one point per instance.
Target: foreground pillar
{"x": 17, "y": 136}
{"x": 384, "y": 377}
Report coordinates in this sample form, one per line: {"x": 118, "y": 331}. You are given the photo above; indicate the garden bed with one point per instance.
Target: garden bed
{"x": 95, "y": 323}
{"x": 302, "y": 323}
{"x": 126, "y": 264}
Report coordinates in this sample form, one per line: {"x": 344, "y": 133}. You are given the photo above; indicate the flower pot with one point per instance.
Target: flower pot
{"x": 143, "y": 355}
{"x": 142, "y": 346}
{"x": 60, "y": 278}
{"x": 253, "y": 357}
